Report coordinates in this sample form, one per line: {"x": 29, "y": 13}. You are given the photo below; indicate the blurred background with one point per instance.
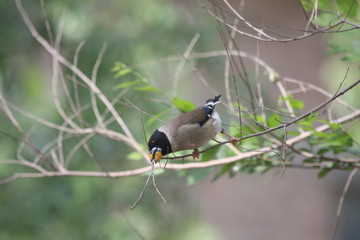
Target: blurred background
{"x": 141, "y": 34}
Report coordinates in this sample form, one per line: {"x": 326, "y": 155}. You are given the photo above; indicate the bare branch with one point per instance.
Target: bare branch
{"x": 260, "y": 33}
{"x": 183, "y": 61}
{"x": 93, "y": 78}
{"x": 130, "y": 138}
{"x": 174, "y": 166}
{"x": 15, "y": 123}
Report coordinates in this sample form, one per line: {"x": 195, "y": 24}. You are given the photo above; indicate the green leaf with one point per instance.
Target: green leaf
{"x": 351, "y": 58}
{"x": 322, "y": 151}
{"x": 322, "y": 134}
{"x": 308, "y": 160}
{"x": 183, "y": 105}
{"x": 322, "y": 173}
{"x": 305, "y": 150}
{"x": 121, "y": 69}
{"x": 330, "y": 165}
{"x": 296, "y": 104}
{"x": 273, "y": 120}
{"x": 123, "y": 72}
{"x": 293, "y": 133}
{"x": 118, "y": 66}
{"x": 196, "y": 175}
{"x": 127, "y": 84}
{"x": 260, "y": 119}
{"x": 141, "y": 77}
{"x": 148, "y": 89}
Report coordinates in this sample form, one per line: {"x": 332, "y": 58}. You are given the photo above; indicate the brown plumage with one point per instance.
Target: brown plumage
{"x": 184, "y": 132}
{"x": 188, "y": 131}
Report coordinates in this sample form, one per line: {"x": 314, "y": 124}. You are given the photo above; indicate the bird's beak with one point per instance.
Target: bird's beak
{"x": 155, "y": 154}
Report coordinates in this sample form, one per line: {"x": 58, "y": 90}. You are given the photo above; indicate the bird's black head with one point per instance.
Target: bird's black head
{"x": 212, "y": 102}
{"x": 158, "y": 146}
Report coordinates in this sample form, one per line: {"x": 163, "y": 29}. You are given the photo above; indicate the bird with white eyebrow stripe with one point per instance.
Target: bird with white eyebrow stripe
{"x": 190, "y": 130}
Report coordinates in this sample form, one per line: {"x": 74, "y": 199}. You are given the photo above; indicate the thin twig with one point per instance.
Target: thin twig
{"x": 192, "y": 165}
{"x": 183, "y": 61}
{"x": 156, "y": 188}
{"x": 75, "y": 84}
{"x": 260, "y": 33}
{"x": 47, "y": 22}
{"x": 130, "y": 140}
{"x": 14, "y": 122}
{"x": 95, "y": 108}
{"x": 235, "y": 83}
{"x": 141, "y": 196}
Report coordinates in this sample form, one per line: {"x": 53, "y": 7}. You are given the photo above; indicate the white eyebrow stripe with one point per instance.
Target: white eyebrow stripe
{"x": 212, "y": 103}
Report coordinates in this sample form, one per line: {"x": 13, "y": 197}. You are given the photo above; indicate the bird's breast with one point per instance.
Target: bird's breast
{"x": 192, "y": 135}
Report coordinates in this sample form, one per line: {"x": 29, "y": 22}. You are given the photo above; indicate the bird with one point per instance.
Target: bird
{"x": 188, "y": 131}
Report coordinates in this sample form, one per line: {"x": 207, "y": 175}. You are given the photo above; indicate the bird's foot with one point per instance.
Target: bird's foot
{"x": 233, "y": 139}
{"x": 196, "y": 154}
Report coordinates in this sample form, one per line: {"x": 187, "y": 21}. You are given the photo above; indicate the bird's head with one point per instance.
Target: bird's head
{"x": 212, "y": 102}
{"x": 158, "y": 146}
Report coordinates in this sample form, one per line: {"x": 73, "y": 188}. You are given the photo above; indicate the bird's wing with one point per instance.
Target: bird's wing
{"x": 197, "y": 115}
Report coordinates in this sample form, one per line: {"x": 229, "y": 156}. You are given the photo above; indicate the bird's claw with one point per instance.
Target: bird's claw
{"x": 196, "y": 154}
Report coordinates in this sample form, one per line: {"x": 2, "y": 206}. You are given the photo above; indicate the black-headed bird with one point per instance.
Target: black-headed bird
{"x": 188, "y": 131}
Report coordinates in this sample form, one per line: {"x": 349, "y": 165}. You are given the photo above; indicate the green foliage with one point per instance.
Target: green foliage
{"x": 324, "y": 172}
{"x": 333, "y": 142}
{"x": 337, "y": 141}
{"x": 273, "y": 120}
{"x": 85, "y": 208}
{"x": 88, "y": 208}
{"x": 256, "y": 164}
{"x": 295, "y": 104}
{"x": 132, "y": 79}
{"x": 345, "y": 43}
{"x": 183, "y": 105}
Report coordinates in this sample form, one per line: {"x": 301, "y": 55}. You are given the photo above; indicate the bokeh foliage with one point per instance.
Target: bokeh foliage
{"x": 135, "y": 32}
{"x": 85, "y": 208}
